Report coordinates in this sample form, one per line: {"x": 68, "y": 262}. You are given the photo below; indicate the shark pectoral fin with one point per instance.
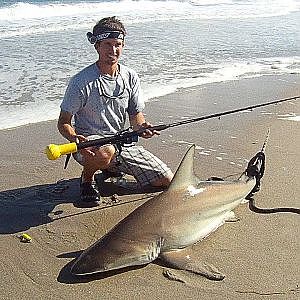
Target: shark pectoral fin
{"x": 181, "y": 259}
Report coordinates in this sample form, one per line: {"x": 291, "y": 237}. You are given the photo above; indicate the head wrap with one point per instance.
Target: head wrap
{"x": 93, "y": 39}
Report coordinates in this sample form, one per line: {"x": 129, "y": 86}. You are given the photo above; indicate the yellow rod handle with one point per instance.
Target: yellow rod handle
{"x": 55, "y": 151}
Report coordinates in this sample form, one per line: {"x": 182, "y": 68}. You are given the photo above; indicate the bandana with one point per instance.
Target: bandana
{"x": 93, "y": 39}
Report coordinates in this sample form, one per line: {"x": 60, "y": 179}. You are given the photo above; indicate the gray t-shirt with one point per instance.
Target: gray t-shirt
{"x": 100, "y": 103}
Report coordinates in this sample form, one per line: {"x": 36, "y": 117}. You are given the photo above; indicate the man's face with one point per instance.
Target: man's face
{"x": 110, "y": 50}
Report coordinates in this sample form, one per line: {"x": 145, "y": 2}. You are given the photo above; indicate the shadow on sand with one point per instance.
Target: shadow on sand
{"x": 23, "y": 208}
{"x": 65, "y": 275}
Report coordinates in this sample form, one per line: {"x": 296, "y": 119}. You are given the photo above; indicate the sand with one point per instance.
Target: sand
{"x": 260, "y": 254}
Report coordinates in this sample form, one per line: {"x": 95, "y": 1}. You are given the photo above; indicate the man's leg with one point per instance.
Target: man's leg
{"x": 163, "y": 182}
{"x": 96, "y": 159}
{"x": 92, "y": 160}
{"x": 147, "y": 169}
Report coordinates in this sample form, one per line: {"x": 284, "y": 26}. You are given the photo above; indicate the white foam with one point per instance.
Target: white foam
{"x": 204, "y": 153}
{"x": 210, "y": 2}
{"x": 223, "y": 72}
{"x": 293, "y": 118}
{"x": 199, "y": 148}
{"x": 56, "y": 16}
{"x": 184, "y": 142}
{"x": 266, "y": 113}
{"x": 26, "y": 114}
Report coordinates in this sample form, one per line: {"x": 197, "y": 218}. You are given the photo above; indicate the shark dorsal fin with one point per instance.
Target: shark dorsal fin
{"x": 184, "y": 175}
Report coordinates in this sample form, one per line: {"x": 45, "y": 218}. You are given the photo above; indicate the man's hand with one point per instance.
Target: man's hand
{"x": 139, "y": 124}
{"x": 147, "y": 133}
{"x": 77, "y": 138}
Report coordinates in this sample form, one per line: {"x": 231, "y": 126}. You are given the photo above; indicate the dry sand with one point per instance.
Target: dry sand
{"x": 260, "y": 254}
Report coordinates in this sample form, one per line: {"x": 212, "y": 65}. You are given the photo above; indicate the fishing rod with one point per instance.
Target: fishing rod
{"x": 227, "y": 112}
{"x": 129, "y": 136}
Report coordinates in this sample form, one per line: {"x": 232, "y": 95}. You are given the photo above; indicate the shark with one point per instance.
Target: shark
{"x": 166, "y": 226}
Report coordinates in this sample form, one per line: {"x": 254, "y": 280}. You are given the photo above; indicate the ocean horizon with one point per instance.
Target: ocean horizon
{"x": 171, "y": 44}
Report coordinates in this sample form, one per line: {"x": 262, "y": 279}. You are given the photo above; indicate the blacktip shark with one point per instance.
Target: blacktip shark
{"x": 167, "y": 225}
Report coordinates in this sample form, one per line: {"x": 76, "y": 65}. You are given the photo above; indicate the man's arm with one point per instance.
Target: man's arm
{"x": 65, "y": 127}
{"x": 136, "y": 121}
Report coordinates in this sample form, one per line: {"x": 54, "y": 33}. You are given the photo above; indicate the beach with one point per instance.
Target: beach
{"x": 259, "y": 254}
{"x": 170, "y": 44}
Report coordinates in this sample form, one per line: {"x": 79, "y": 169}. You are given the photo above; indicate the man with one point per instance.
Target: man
{"x": 99, "y": 98}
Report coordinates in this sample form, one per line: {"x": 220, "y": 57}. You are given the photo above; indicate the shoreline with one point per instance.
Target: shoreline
{"x": 258, "y": 254}
{"x": 290, "y": 81}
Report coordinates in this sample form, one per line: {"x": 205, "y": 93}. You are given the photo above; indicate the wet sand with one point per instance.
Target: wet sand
{"x": 259, "y": 254}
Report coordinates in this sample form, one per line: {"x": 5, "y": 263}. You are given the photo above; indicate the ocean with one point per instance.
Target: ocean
{"x": 171, "y": 44}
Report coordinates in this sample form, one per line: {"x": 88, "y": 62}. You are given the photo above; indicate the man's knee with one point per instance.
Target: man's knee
{"x": 105, "y": 155}
{"x": 102, "y": 157}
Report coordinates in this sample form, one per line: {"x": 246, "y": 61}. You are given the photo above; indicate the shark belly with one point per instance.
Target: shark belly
{"x": 196, "y": 219}
{"x": 189, "y": 234}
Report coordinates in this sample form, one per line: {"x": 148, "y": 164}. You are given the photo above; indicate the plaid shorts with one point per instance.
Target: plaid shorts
{"x": 144, "y": 166}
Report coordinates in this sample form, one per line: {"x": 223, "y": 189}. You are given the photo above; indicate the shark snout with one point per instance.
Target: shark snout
{"x": 81, "y": 267}
{"x": 77, "y": 269}
{"x": 88, "y": 264}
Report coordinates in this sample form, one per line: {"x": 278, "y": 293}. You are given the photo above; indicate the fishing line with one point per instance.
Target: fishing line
{"x": 146, "y": 197}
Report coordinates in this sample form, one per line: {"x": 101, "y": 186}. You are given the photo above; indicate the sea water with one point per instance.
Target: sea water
{"x": 171, "y": 44}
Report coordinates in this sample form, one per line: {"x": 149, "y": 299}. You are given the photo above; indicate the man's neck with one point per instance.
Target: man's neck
{"x": 111, "y": 70}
